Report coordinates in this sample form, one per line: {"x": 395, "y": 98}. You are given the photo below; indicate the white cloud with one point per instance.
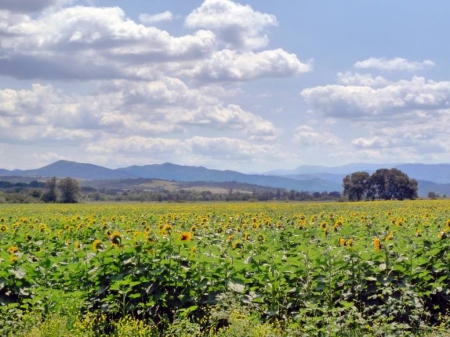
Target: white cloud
{"x": 27, "y": 6}
{"x": 375, "y": 142}
{"x": 217, "y": 148}
{"x": 238, "y": 26}
{"x": 229, "y": 65}
{"x": 397, "y": 98}
{"x": 350, "y": 78}
{"x": 397, "y": 63}
{"x": 155, "y": 18}
{"x": 98, "y": 43}
{"x": 310, "y": 137}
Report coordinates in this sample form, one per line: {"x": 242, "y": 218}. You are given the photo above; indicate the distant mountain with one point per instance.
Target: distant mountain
{"x": 168, "y": 171}
{"x": 174, "y": 172}
{"x": 431, "y": 177}
{"x": 438, "y": 173}
{"x": 343, "y": 169}
{"x": 429, "y": 186}
{"x": 64, "y": 168}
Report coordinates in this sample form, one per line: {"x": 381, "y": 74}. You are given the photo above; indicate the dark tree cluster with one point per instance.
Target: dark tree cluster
{"x": 383, "y": 184}
{"x": 68, "y": 188}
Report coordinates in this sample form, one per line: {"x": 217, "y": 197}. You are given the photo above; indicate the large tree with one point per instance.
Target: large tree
{"x": 356, "y": 185}
{"x": 382, "y": 184}
{"x": 69, "y": 190}
{"x": 50, "y": 195}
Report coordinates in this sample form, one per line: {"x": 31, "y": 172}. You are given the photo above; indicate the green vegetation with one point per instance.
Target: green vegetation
{"x": 383, "y": 184}
{"x": 225, "y": 269}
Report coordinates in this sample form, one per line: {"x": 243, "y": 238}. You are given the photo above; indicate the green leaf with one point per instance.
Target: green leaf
{"x": 18, "y": 273}
{"x": 236, "y": 285}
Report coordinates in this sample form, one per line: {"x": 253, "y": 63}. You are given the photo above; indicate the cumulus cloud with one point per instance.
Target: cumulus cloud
{"x": 155, "y": 18}
{"x": 350, "y": 78}
{"x": 238, "y": 26}
{"x": 27, "y": 6}
{"x": 310, "y": 137}
{"x": 223, "y": 148}
{"x": 397, "y": 63}
{"x": 98, "y": 43}
{"x": 365, "y": 102}
{"x": 229, "y": 65}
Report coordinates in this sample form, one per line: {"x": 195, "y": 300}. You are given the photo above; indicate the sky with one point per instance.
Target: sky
{"x": 242, "y": 85}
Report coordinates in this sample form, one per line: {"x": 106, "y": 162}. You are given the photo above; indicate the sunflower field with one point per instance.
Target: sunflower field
{"x": 217, "y": 269}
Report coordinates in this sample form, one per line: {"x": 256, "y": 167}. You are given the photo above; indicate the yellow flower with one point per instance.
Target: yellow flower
{"x": 115, "y": 238}
{"x": 341, "y": 242}
{"x": 186, "y": 236}
{"x": 3, "y": 228}
{"x": 447, "y": 223}
{"x": 323, "y": 225}
{"x": 377, "y": 244}
{"x": 13, "y": 258}
{"x": 13, "y": 249}
{"x": 349, "y": 242}
{"x": 96, "y": 245}
{"x": 193, "y": 250}
{"x": 389, "y": 236}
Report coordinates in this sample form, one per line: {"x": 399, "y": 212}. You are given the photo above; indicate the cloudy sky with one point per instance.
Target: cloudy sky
{"x": 245, "y": 85}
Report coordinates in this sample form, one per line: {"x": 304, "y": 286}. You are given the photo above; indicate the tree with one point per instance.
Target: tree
{"x": 69, "y": 190}
{"x": 50, "y": 195}
{"x": 382, "y": 184}
{"x": 356, "y": 185}
{"x": 392, "y": 184}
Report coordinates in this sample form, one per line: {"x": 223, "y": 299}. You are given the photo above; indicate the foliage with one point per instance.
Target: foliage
{"x": 383, "y": 184}
{"x": 51, "y": 194}
{"x": 304, "y": 269}
{"x": 69, "y": 190}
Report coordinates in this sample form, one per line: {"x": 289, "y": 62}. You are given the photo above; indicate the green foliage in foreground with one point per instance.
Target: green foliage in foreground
{"x": 270, "y": 269}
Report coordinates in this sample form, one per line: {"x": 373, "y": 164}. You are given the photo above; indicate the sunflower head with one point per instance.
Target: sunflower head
{"x": 96, "y": 245}
{"x": 447, "y": 223}
{"x": 115, "y": 238}
{"x": 341, "y": 242}
{"x": 349, "y": 242}
{"x": 13, "y": 249}
{"x": 377, "y": 244}
{"x": 186, "y": 236}
{"x": 3, "y": 228}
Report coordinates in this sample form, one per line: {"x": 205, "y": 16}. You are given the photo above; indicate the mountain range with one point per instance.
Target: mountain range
{"x": 431, "y": 177}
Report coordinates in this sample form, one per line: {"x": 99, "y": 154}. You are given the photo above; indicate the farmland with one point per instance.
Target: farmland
{"x": 289, "y": 269}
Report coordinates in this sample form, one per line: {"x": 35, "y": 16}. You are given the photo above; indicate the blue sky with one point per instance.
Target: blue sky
{"x": 242, "y": 85}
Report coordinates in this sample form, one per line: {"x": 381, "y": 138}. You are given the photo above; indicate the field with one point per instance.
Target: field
{"x": 225, "y": 269}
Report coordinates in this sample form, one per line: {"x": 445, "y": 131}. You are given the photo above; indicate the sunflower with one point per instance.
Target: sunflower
{"x": 341, "y": 242}
{"x": 261, "y": 238}
{"x": 377, "y": 244}
{"x": 447, "y": 223}
{"x": 115, "y": 238}
{"x": 193, "y": 250}
{"x": 323, "y": 225}
{"x": 3, "y": 228}
{"x": 389, "y": 236}
{"x": 167, "y": 229}
{"x": 186, "y": 236}
{"x": 246, "y": 236}
{"x": 13, "y": 249}
{"x": 96, "y": 245}
{"x": 13, "y": 258}
{"x": 349, "y": 242}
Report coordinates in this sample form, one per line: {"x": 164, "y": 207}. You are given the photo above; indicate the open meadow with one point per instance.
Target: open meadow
{"x": 225, "y": 269}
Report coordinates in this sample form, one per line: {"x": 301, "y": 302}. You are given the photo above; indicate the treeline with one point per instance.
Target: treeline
{"x": 65, "y": 190}
{"x": 68, "y": 191}
{"x": 192, "y": 195}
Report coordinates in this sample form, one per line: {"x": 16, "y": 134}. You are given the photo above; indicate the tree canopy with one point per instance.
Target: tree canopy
{"x": 69, "y": 190}
{"x": 383, "y": 184}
